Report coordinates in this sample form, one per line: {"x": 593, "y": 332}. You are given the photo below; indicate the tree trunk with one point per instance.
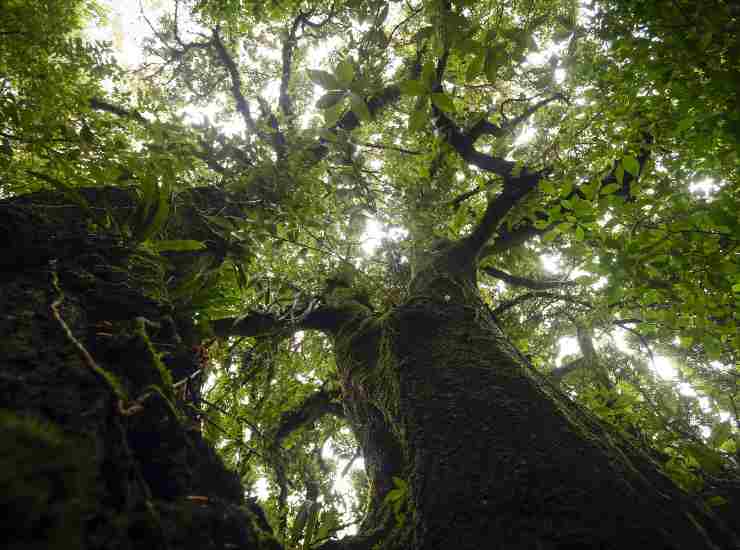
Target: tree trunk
{"x": 96, "y": 452}
{"x": 493, "y": 455}
{"x": 485, "y": 454}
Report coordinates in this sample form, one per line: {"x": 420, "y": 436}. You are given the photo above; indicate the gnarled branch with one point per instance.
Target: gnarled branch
{"x": 524, "y": 281}
{"x": 314, "y": 407}
{"x": 227, "y": 61}
{"x": 505, "y": 306}
{"x": 486, "y": 127}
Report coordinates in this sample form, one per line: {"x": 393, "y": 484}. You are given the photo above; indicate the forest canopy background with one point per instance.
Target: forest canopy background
{"x": 321, "y": 121}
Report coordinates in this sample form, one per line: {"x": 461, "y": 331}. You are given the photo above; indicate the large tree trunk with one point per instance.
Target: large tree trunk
{"x": 485, "y": 453}
{"x": 97, "y": 451}
{"x": 493, "y": 455}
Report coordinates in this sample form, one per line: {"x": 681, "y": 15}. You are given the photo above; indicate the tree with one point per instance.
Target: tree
{"x": 482, "y": 136}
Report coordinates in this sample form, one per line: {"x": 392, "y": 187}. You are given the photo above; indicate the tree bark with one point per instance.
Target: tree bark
{"x": 97, "y": 451}
{"x": 466, "y": 446}
{"x": 493, "y": 455}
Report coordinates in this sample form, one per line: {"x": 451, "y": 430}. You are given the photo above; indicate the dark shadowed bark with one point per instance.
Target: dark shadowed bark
{"x": 99, "y": 450}
{"x": 495, "y": 456}
{"x": 488, "y": 453}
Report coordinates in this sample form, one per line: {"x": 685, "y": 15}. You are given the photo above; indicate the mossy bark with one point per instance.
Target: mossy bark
{"x": 97, "y": 452}
{"x": 493, "y": 455}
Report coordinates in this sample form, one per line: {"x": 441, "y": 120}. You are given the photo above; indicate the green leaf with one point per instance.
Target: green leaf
{"x": 610, "y": 188}
{"x": 344, "y": 73}
{"x": 736, "y": 287}
{"x": 685, "y": 124}
{"x": 492, "y": 63}
{"x": 443, "y": 102}
{"x": 550, "y": 236}
{"x": 475, "y": 67}
{"x": 579, "y": 234}
{"x": 394, "y": 495}
{"x": 328, "y": 523}
{"x": 458, "y": 220}
{"x": 619, "y": 174}
{"x": 328, "y": 135}
{"x": 548, "y": 187}
{"x": 631, "y": 165}
{"x": 359, "y": 107}
{"x": 721, "y": 433}
{"x": 566, "y": 188}
{"x": 333, "y": 113}
{"x": 156, "y": 217}
{"x": 313, "y": 518}
{"x": 418, "y": 119}
{"x": 299, "y": 523}
{"x": 413, "y": 88}
{"x": 330, "y": 99}
{"x": 324, "y": 79}
{"x": 184, "y": 245}
{"x": 709, "y": 460}
{"x": 428, "y": 75}
{"x": 716, "y": 500}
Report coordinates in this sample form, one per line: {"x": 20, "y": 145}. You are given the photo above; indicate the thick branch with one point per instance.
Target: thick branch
{"x": 464, "y": 145}
{"x": 314, "y": 407}
{"x": 102, "y": 105}
{"x": 510, "y": 239}
{"x": 506, "y": 240}
{"x": 505, "y": 306}
{"x": 485, "y": 127}
{"x": 349, "y": 120}
{"x": 523, "y": 281}
{"x": 324, "y": 318}
{"x": 253, "y": 324}
{"x": 514, "y": 190}
{"x": 557, "y": 374}
{"x": 285, "y": 101}
{"x": 388, "y": 148}
{"x": 277, "y": 138}
{"x": 236, "y": 82}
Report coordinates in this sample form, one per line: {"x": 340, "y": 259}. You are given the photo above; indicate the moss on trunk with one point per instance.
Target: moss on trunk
{"x": 97, "y": 451}
{"x": 493, "y": 455}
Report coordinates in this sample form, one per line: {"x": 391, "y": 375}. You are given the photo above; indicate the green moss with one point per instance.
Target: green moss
{"x": 164, "y": 376}
{"x": 45, "y": 484}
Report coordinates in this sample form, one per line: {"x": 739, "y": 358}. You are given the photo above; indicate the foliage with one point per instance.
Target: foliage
{"x": 328, "y": 118}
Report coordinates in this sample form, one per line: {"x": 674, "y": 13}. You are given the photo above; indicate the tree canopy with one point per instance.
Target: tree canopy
{"x": 280, "y": 150}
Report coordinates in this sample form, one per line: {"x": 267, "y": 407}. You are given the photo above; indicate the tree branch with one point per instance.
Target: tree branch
{"x": 324, "y": 318}
{"x": 253, "y": 324}
{"x": 515, "y": 188}
{"x": 523, "y": 281}
{"x": 388, "y": 148}
{"x": 314, "y": 407}
{"x": 464, "y": 145}
{"x": 505, "y": 306}
{"x": 227, "y": 61}
{"x": 102, "y": 105}
{"x": 485, "y": 127}
{"x": 557, "y": 374}
{"x": 511, "y": 239}
{"x": 285, "y": 101}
